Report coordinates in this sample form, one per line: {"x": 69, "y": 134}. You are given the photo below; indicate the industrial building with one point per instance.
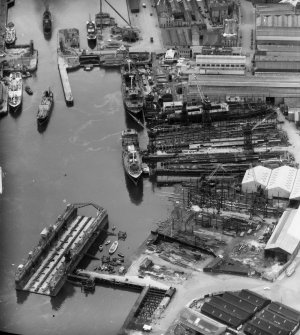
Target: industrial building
{"x": 285, "y": 239}
{"x": 200, "y": 323}
{"x": 221, "y": 64}
{"x": 234, "y": 308}
{"x": 281, "y": 182}
{"x": 274, "y": 319}
{"x": 277, "y": 37}
{"x": 295, "y": 194}
{"x": 255, "y": 177}
{"x": 230, "y": 34}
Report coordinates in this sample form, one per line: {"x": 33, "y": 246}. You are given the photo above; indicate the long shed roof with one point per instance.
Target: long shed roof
{"x": 283, "y": 178}
{"x": 258, "y": 174}
{"x": 286, "y": 235}
{"x": 295, "y": 194}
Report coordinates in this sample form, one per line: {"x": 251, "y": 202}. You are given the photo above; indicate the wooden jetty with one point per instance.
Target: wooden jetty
{"x": 3, "y": 99}
{"x": 59, "y": 250}
{"x": 62, "y": 67}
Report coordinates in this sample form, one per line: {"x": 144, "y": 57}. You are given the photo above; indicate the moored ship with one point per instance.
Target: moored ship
{"x": 91, "y": 30}
{"x": 10, "y": 34}
{"x": 45, "y": 107}
{"x": 15, "y": 91}
{"x": 131, "y": 156}
{"x": 132, "y": 91}
{"x": 47, "y": 22}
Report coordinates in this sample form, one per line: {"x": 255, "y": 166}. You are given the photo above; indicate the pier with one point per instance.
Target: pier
{"x": 62, "y": 67}
{"x": 3, "y": 99}
{"x": 59, "y": 250}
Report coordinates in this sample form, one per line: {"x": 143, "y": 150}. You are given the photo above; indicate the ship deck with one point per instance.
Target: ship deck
{"x": 51, "y": 265}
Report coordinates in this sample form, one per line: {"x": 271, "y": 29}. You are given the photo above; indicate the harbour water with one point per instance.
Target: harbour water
{"x": 77, "y": 158}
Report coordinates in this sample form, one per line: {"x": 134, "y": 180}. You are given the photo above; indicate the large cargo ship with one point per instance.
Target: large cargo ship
{"x": 45, "y": 107}
{"x": 132, "y": 89}
{"x": 131, "y": 156}
{"x": 47, "y": 22}
{"x": 15, "y": 91}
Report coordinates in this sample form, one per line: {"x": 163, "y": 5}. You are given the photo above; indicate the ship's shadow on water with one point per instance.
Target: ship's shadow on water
{"x": 135, "y": 189}
{"x": 48, "y": 36}
{"x": 21, "y": 296}
{"x": 16, "y": 112}
{"x": 41, "y": 128}
{"x": 66, "y": 291}
{"x": 92, "y": 44}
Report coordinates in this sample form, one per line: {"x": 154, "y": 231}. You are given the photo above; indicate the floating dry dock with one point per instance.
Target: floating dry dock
{"x": 59, "y": 250}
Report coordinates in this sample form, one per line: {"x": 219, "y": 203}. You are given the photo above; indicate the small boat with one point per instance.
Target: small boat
{"x": 15, "y": 90}
{"x": 113, "y": 247}
{"x": 91, "y": 30}
{"x": 88, "y": 68}
{"x": 100, "y": 247}
{"x": 28, "y": 90}
{"x": 10, "y": 34}
{"x": 120, "y": 255}
{"x": 107, "y": 242}
{"x": 113, "y": 228}
{"x": 45, "y": 107}
{"x": 26, "y": 74}
{"x": 47, "y": 22}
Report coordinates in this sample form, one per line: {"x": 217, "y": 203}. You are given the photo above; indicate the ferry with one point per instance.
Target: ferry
{"x": 113, "y": 247}
{"x": 10, "y": 34}
{"x": 45, "y": 107}
{"x": 15, "y": 91}
{"x": 131, "y": 156}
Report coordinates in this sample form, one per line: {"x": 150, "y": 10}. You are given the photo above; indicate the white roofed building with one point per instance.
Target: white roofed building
{"x": 285, "y": 239}
{"x": 295, "y": 194}
{"x": 281, "y": 182}
{"x": 255, "y": 177}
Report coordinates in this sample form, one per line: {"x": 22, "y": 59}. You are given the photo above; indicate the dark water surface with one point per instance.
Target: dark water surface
{"x": 76, "y": 159}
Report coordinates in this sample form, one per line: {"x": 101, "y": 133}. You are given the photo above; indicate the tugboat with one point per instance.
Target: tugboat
{"x": 131, "y": 156}
{"x": 28, "y": 90}
{"x": 15, "y": 91}
{"x": 113, "y": 247}
{"x": 45, "y": 107}
{"x": 132, "y": 90}
{"x": 91, "y": 30}
{"x": 10, "y": 34}
{"x": 47, "y": 22}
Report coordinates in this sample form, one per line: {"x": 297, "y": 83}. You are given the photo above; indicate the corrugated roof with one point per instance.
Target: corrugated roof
{"x": 295, "y": 194}
{"x": 258, "y": 174}
{"x": 268, "y": 326}
{"x": 286, "y": 235}
{"x": 285, "y": 311}
{"x": 282, "y": 178}
{"x": 201, "y": 323}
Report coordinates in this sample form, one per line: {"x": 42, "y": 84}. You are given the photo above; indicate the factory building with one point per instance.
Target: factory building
{"x": 221, "y": 64}
{"x": 281, "y": 182}
{"x": 285, "y": 239}
{"x": 230, "y": 34}
{"x": 218, "y": 10}
{"x": 295, "y": 194}
{"x": 256, "y": 177}
{"x": 277, "y": 37}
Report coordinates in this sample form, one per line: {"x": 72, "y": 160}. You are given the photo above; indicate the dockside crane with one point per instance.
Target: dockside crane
{"x": 248, "y": 130}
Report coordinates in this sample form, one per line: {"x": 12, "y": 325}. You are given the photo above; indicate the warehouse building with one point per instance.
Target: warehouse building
{"x": 256, "y": 177}
{"x": 221, "y": 64}
{"x": 274, "y": 319}
{"x": 295, "y": 194}
{"x": 281, "y": 182}
{"x": 285, "y": 239}
{"x": 200, "y": 323}
{"x": 234, "y": 308}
